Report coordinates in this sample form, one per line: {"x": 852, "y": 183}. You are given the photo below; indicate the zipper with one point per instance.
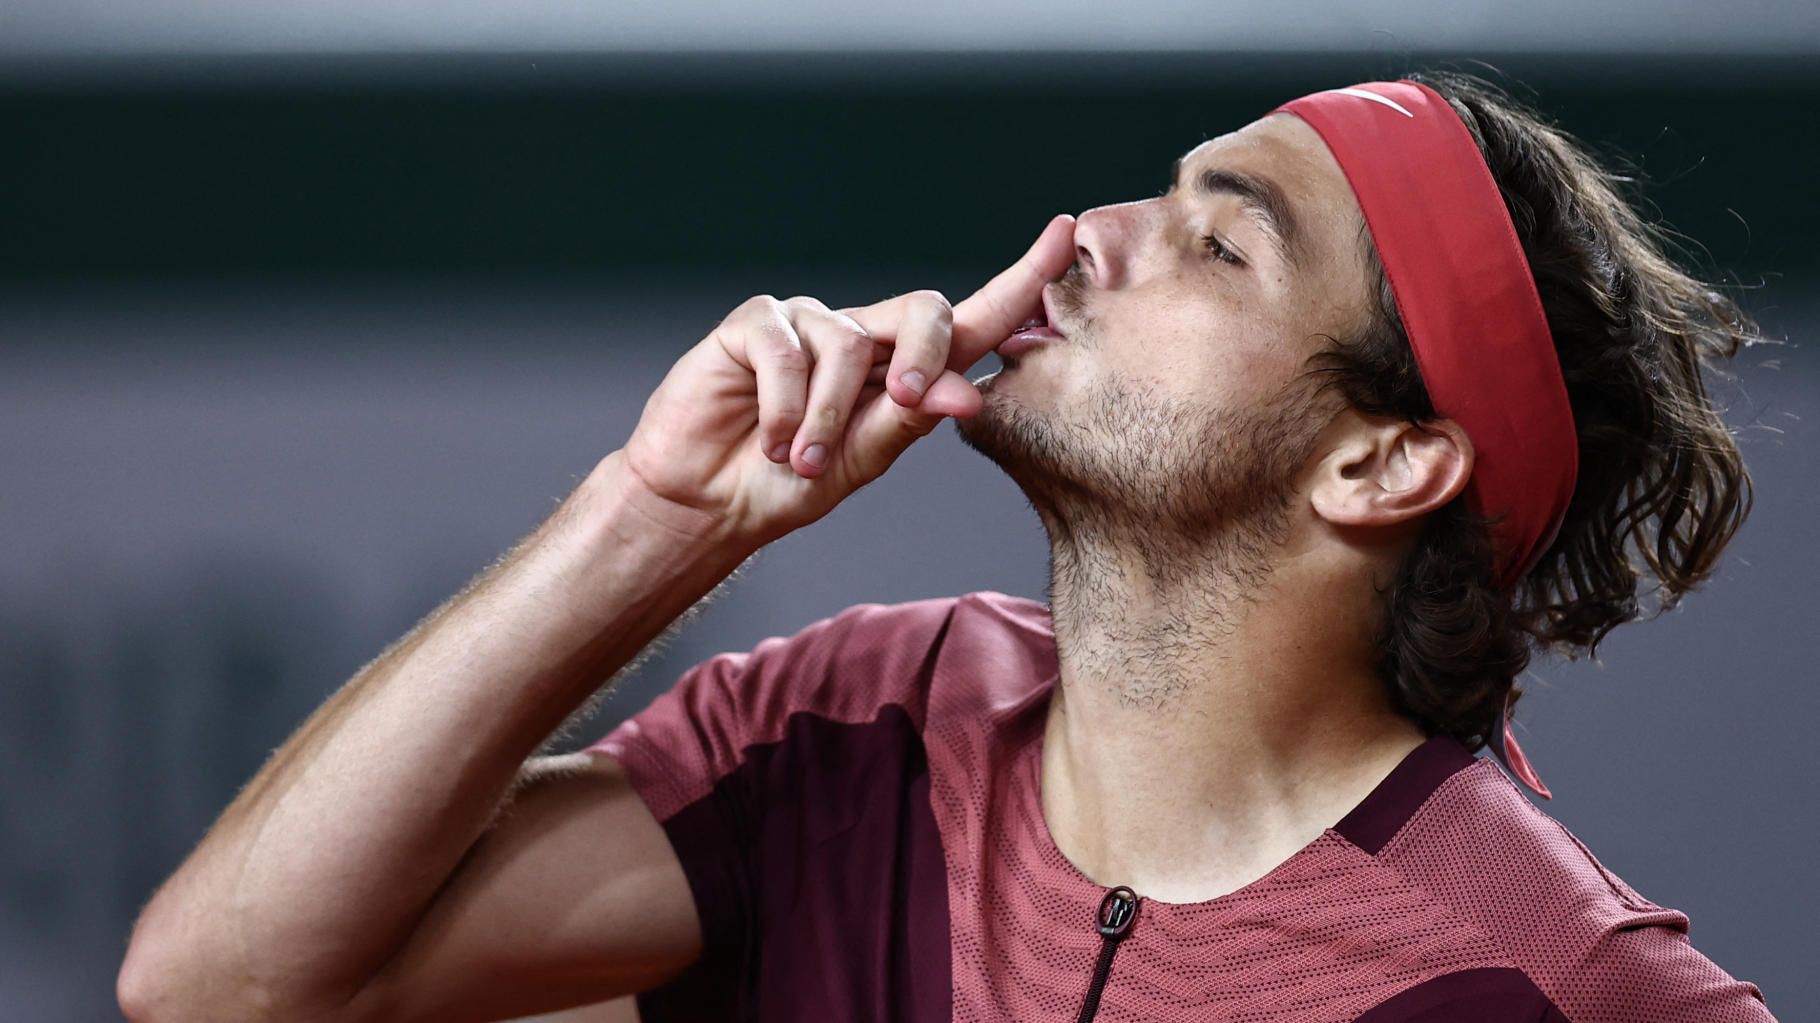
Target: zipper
{"x": 1117, "y": 912}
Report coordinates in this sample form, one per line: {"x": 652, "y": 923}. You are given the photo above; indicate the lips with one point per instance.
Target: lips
{"x": 1039, "y": 320}
{"x": 1034, "y": 332}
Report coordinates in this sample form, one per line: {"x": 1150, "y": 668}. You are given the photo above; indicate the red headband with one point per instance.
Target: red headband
{"x": 1468, "y": 302}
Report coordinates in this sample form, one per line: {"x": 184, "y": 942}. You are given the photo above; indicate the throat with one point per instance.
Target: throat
{"x": 1180, "y": 823}
{"x": 1218, "y": 704}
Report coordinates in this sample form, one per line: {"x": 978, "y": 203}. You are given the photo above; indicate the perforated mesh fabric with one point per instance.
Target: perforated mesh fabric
{"x": 1592, "y": 943}
{"x": 1325, "y": 935}
{"x": 1478, "y": 878}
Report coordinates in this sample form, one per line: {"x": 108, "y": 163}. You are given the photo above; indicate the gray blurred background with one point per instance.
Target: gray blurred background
{"x": 307, "y": 311}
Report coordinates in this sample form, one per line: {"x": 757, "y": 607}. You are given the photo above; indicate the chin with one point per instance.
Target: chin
{"x": 1006, "y": 429}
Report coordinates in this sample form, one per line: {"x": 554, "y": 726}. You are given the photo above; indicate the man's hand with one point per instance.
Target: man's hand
{"x": 781, "y": 411}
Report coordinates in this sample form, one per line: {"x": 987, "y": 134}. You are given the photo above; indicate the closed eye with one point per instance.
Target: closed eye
{"x": 1220, "y": 251}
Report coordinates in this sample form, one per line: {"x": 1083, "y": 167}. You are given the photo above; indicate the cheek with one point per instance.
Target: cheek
{"x": 1205, "y": 337}
{"x": 1241, "y": 350}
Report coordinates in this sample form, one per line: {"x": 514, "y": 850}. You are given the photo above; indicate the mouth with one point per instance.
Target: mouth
{"x": 1034, "y": 332}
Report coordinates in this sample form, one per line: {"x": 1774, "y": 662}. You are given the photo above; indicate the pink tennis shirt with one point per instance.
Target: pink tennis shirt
{"x": 856, "y": 809}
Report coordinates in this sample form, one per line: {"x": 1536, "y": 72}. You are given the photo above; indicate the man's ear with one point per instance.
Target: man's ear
{"x": 1385, "y": 471}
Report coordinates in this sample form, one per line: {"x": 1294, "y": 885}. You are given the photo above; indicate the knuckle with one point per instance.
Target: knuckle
{"x": 786, "y": 409}
{"x": 787, "y": 353}
{"x": 759, "y": 309}
{"x": 854, "y": 344}
{"x": 772, "y": 324}
{"x": 999, "y": 309}
{"x": 849, "y": 323}
{"x": 935, "y": 300}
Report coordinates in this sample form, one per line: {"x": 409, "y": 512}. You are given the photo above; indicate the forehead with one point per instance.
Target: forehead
{"x": 1283, "y": 148}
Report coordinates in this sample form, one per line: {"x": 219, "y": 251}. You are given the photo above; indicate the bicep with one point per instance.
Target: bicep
{"x": 574, "y": 896}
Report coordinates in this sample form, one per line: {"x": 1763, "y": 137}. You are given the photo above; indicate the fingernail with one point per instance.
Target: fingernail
{"x": 914, "y": 380}
{"x": 781, "y": 453}
{"x": 816, "y": 455}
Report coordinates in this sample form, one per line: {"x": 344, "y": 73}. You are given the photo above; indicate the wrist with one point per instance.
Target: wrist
{"x": 614, "y": 501}
{"x": 622, "y": 562}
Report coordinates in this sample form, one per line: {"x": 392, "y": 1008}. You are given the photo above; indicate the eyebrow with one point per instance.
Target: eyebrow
{"x": 1261, "y": 196}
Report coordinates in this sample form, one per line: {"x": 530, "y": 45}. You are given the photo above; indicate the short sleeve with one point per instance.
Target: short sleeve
{"x": 705, "y": 757}
{"x": 842, "y": 668}
{"x": 1651, "y": 972}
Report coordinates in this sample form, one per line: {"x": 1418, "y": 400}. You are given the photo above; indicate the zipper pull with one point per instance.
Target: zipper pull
{"x": 1118, "y": 911}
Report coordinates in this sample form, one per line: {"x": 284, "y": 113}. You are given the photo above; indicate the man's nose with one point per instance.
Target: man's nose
{"x": 1108, "y": 242}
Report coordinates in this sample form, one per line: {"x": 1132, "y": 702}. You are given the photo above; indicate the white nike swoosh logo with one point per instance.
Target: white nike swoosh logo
{"x": 1375, "y": 98}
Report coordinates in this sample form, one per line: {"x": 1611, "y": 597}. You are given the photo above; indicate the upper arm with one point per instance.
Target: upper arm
{"x": 574, "y": 896}
{"x": 1650, "y": 970}
{"x": 578, "y": 894}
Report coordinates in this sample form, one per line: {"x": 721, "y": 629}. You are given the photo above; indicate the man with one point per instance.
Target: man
{"x": 1387, "y": 385}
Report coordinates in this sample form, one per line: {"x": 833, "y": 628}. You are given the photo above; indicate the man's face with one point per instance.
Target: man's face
{"x": 1185, "y": 320}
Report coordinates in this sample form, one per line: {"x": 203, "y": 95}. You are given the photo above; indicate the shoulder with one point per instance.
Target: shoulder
{"x": 1478, "y": 843}
{"x": 998, "y": 655}
{"x": 958, "y": 654}
{"x": 1598, "y": 948}
{"x": 868, "y": 662}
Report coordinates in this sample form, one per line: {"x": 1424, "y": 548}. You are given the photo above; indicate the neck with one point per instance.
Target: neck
{"x": 1209, "y": 722}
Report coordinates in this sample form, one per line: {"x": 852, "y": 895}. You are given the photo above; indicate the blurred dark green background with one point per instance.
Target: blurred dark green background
{"x": 697, "y": 165}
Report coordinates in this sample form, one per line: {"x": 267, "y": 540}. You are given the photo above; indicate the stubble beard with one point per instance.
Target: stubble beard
{"x": 1151, "y": 500}
{"x": 1184, "y": 489}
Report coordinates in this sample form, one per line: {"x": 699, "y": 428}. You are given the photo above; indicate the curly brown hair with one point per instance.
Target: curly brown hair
{"x": 1661, "y": 477}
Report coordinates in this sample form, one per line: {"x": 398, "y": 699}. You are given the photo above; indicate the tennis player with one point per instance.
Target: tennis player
{"x": 1389, "y": 389}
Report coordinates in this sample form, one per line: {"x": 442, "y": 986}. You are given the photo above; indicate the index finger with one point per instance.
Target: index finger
{"x": 984, "y": 319}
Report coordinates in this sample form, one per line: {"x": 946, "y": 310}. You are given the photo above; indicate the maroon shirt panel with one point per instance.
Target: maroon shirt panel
{"x": 817, "y": 871}
{"x": 1396, "y": 799}
{"x": 1486, "y": 995}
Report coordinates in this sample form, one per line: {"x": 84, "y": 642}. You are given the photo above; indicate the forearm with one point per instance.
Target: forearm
{"x": 319, "y": 869}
